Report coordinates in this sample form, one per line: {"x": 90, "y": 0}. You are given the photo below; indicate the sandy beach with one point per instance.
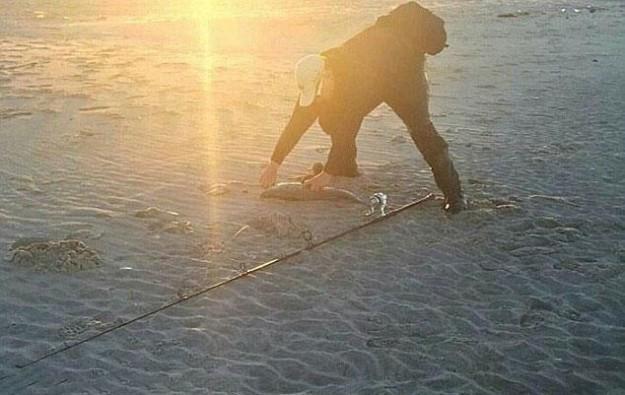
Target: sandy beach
{"x": 131, "y": 140}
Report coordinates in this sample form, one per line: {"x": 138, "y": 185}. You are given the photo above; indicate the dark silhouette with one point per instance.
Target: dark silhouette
{"x": 382, "y": 64}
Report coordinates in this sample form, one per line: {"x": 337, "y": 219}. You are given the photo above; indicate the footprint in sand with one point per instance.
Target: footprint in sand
{"x": 399, "y": 139}
{"x": 215, "y": 189}
{"x": 536, "y": 313}
{"x": 280, "y": 225}
{"x": 208, "y": 248}
{"x": 224, "y": 188}
{"x": 173, "y": 227}
{"x": 57, "y": 256}
{"x": 156, "y": 213}
{"x": 322, "y": 150}
{"x": 165, "y": 221}
{"x": 75, "y": 328}
{"x": 540, "y": 310}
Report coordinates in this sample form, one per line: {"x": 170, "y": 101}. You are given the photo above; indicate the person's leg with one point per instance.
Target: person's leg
{"x": 356, "y": 94}
{"x": 342, "y": 156}
{"x": 410, "y": 102}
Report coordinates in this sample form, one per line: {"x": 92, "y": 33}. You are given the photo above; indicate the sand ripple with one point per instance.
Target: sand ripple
{"x": 523, "y": 293}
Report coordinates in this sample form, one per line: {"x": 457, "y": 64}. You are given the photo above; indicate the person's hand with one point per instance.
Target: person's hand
{"x": 319, "y": 181}
{"x": 269, "y": 175}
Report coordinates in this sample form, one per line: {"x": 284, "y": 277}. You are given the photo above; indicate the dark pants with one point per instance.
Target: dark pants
{"x": 409, "y": 99}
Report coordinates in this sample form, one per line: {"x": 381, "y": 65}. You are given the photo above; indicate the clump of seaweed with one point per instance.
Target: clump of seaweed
{"x": 57, "y": 256}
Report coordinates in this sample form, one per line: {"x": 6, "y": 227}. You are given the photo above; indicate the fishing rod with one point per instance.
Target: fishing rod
{"x": 244, "y": 273}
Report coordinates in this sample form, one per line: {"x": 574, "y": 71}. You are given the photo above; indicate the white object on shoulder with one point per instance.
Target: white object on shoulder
{"x": 309, "y": 75}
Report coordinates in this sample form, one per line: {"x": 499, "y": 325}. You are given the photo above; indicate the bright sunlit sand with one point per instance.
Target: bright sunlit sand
{"x": 132, "y": 136}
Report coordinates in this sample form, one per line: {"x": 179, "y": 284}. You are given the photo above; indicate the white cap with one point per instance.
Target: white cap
{"x": 308, "y": 73}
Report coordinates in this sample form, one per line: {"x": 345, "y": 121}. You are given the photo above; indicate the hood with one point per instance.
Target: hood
{"x": 424, "y": 30}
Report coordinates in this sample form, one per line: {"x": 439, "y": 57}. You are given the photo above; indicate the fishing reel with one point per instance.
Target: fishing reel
{"x": 377, "y": 202}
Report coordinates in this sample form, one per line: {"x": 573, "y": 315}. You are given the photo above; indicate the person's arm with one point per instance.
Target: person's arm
{"x": 301, "y": 119}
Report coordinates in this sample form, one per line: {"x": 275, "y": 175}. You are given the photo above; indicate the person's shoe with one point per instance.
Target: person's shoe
{"x": 454, "y": 205}
{"x": 435, "y": 152}
{"x": 448, "y": 182}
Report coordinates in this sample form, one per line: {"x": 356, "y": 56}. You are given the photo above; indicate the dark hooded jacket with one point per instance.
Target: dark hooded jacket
{"x": 374, "y": 63}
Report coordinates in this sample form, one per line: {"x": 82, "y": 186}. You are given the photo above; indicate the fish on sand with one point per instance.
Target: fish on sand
{"x": 296, "y": 191}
